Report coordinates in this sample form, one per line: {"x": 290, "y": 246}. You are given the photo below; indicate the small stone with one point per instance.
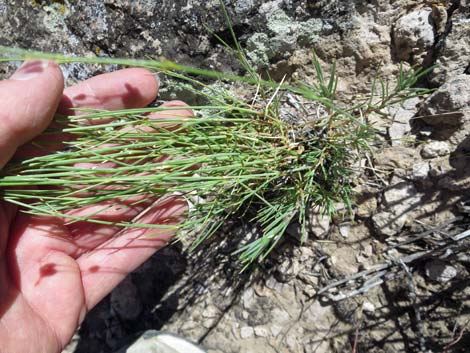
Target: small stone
{"x": 275, "y": 330}
{"x": 155, "y": 341}
{"x": 211, "y": 311}
{"x": 368, "y": 307}
{"x": 309, "y": 291}
{"x": 243, "y": 6}
{"x": 435, "y": 149}
{"x": 387, "y": 223}
{"x": 291, "y": 342}
{"x": 280, "y": 316}
{"x": 399, "y": 193}
{"x": 414, "y": 37}
{"x": 319, "y": 224}
{"x": 261, "y": 331}
{"x": 420, "y": 171}
{"x": 246, "y": 332}
{"x": 344, "y": 229}
{"x": 449, "y": 105}
{"x": 440, "y": 271}
{"x": 248, "y": 298}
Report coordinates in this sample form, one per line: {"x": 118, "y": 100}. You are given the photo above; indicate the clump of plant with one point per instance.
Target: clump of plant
{"x": 271, "y": 157}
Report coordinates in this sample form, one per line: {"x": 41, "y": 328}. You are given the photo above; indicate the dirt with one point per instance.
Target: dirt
{"x": 420, "y": 178}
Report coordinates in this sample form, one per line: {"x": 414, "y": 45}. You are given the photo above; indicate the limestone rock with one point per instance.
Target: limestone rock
{"x": 414, "y": 37}
{"x": 247, "y": 332}
{"x": 440, "y": 271}
{"x": 435, "y": 149}
{"x": 449, "y": 105}
{"x": 453, "y": 56}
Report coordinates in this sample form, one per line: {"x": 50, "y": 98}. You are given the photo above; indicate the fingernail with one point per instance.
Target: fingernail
{"x": 30, "y": 69}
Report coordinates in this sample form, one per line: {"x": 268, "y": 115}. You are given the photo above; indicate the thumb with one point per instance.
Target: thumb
{"x": 28, "y": 101}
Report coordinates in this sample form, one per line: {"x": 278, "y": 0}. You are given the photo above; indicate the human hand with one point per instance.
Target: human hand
{"x": 52, "y": 273}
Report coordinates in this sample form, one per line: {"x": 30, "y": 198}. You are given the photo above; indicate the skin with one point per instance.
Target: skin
{"x": 52, "y": 273}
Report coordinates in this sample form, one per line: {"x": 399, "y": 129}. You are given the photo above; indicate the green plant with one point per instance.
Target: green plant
{"x": 255, "y": 157}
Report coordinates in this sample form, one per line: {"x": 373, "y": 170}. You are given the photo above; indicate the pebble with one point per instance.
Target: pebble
{"x": 435, "y": 149}
{"x": 261, "y": 331}
{"x": 440, "y": 271}
{"x": 368, "y": 307}
{"x": 420, "y": 171}
{"x": 275, "y": 330}
{"x": 247, "y": 332}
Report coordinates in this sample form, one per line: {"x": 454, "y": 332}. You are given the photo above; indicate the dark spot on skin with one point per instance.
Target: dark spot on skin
{"x": 30, "y": 67}
{"x": 94, "y": 269}
{"x": 132, "y": 95}
{"x": 80, "y": 97}
{"x": 46, "y": 270}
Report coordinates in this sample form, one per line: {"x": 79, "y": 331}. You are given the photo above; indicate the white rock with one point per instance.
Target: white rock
{"x": 388, "y": 223}
{"x": 344, "y": 229}
{"x": 449, "y": 105}
{"x": 261, "y": 331}
{"x": 318, "y": 224}
{"x": 435, "y": 149}
{"x": 248, "y": 298}
{"x": 275, "y": 330}
{"x": 414, "y": 37}
{"x": 368, "y": 307}
{"x": 440, "y": 271}
{"x": 246, "y": 332}
{"x": 400, "y": 193}
{"x": 420, "y": 171}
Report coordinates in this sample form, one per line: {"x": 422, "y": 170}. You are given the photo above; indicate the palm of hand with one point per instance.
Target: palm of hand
{"x": 52, "y": 273}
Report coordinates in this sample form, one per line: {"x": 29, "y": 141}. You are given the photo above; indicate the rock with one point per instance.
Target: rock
{"x": 309, "y": 30}
{"x": 366, "y": 201}
{"x": 275, "y": 330}
{"x": 318, "y": 224}
{"x": 153, "y": 341}
{"x": 243, "y": 6}
{"x": 413, "y": 37}
{"x": 400, "y": 200}
{"x": 291, "y": 342}
{"x": 420, "y": 171}
{"x": 288, "y": 269}
{"x": 440, "y": 271}
{"x": 453, "y": 52}
{"x": 401, "y": 113}
{"x": 368, "y": 307}
{"x": 211, "y": 311}
{"x": 125, "y": 300}
{"x": 400, "y": 194}
{"x": 247, "y": 332}
{"x": 248, "y": 298}
{"x": 449, "y": 105}
{"x": 388, "y": 223}
{"x": 344, "y": 229}
{"x": 261, "y": 331}
{"x": 435, "y": 149}
{"x": 395, "y": 159}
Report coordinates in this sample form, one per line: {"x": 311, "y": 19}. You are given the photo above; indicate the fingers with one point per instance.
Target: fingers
{"x": 29, "y": 100}
{"x": 89, "y": 235}
{"x": 42, "y": 268}
{"x": 123, "y": 89}
{"x": 107, "y": 265}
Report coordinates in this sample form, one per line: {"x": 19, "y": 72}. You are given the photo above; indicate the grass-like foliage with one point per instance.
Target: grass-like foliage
{"x": 270, "y": 158}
